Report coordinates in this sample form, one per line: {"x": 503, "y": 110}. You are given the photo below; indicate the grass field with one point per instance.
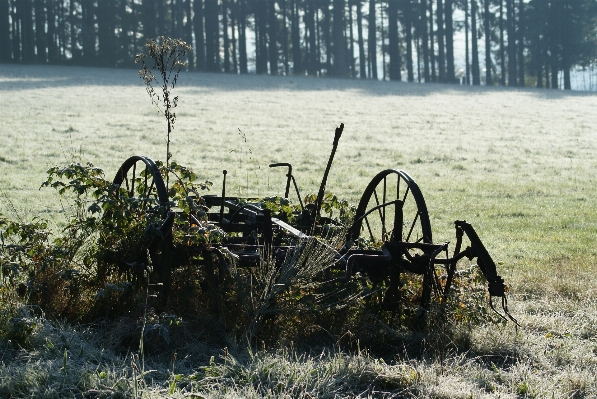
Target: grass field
{"x": 517, "y": 164}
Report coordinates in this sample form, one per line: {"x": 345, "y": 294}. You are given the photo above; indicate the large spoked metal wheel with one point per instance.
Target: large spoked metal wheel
{"x": 392, "y": 209}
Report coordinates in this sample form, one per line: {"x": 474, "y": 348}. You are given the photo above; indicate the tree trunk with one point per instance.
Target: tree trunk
{"x": 372, "y": 45}
{"x": 432, "y": 43}
{"x": 297, "y": 65}
{"x": 327, "y": 38}
{"x": 179, "y": 19}
{"x": 210, "y": 51}
{"x": 317, "y": 48}
{"x": 565, "y": 39}
{"x": 362, "y": 58}
{"x": 339, "y": 47}
{"x": 441, "y": 59}
{"x": 198, "y": 27}
{"x": 188, "y": 33}
{"x": 51, "y": 35}
{"x": 502, "y": 46}
{"x": 88, "y": 32}
{"x": 234, "y": 29}
{"x": 211, "y": 41}
{"x": 40, "y": 31}
{"x": 488, "y": 66}
{"x": 226, "y": 37}
{"x": 520, "y": 47}
{"x": 418, "y": 49}
{"x": 383, "y": 43}
{"x": 261, "y": 37}
{"x": 273, "y": 38}
{"x": 425, "y": 39}
{"x": 311, "y": 39}
{"x": 474, "y": 35}
{"x": 148, "y": 18}
{"x": 554, "y": 36}
{"x": 5, "y": 43}
{"x": 242, "y": 37}
{"x": 351, "y": 59}
{"x": 511, "y": 43}
{"x": 409, "y": 40}
{"x": 538, "y": 61}
{"x": 74, "y": 23}
{"x": 450, "y": 73}
{"x": 162, "y": 28}
{"x": 106, "y": 12}
{"x": 27, "y": 31}
{"x": 394, "y": 44}
{"x": 124, "y": 33}
{"x": 467, "y": 70}
{"x": 216, "y": 27}
{"x": 16, "y": 35}
{"x": 285, "y": 36}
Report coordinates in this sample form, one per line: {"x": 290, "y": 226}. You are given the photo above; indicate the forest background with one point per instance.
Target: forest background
{"x": 524, "y": 43}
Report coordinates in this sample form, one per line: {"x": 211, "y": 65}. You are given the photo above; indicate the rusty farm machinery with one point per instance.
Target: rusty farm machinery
{"x": 390, "y": 236}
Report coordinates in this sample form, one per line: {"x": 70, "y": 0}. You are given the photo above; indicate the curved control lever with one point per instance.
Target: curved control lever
{"x": 288, "y": 175}
{"x": 289, "y": 178}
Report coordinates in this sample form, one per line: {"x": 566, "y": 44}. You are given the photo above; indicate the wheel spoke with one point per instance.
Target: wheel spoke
{"x": 412, "y": 226}
{"x": 132, "y": 193}
{"x": 380, "y": 212}
{"x": 384, "y": 231}
{"x": 406, "y": 193}
{"x": 369, "y": 228}
{"x": 150, "y": 189}
{"x": 145, "y": 189}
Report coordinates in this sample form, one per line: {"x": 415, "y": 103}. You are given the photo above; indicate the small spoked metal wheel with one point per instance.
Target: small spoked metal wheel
{"x": 393, "y": 210}
{"x": 142, "y": 181}
{"x": 140, "y": 220}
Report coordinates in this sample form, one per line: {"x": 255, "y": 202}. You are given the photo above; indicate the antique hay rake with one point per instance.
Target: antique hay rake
{"x": 390, "y": 236}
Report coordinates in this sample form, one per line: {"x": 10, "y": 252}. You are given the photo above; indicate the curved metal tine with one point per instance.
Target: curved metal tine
{"x": 435, "y": 280}
{"x": 494, "y": 309}
{"x": 505, "y": 307}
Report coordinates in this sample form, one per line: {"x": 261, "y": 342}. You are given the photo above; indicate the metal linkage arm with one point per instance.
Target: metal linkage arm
{"x": 487, "y": 265}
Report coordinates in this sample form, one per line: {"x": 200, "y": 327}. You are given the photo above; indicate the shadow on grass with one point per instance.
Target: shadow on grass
{"x": 30, "y": 77}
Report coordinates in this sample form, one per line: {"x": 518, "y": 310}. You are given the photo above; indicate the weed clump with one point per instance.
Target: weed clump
{"x": 168, "y": 60}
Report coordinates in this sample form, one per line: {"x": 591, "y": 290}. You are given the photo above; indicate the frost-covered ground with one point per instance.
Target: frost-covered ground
{"x": 518, "y": 164}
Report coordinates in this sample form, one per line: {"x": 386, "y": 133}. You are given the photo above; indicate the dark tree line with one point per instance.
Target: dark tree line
{"x": 507, "y": 42}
